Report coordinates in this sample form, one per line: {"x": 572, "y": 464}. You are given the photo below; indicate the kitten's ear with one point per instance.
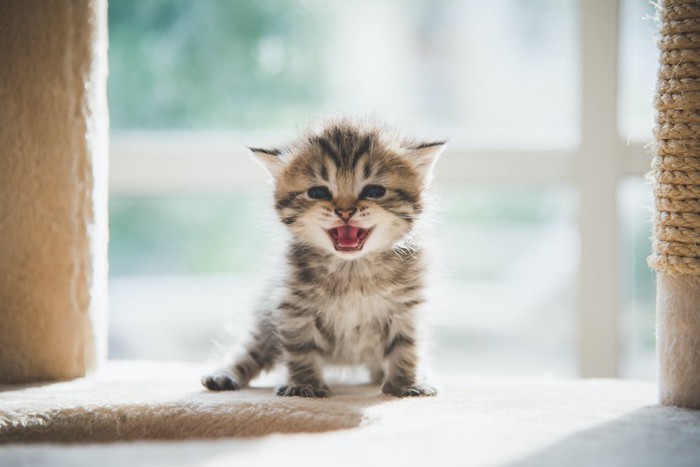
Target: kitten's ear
{"x": 424, "y": 155}
{"x": 272, "y": 159}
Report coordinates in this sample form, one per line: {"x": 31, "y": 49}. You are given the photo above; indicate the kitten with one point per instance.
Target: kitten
{"x": 351, "y": 194}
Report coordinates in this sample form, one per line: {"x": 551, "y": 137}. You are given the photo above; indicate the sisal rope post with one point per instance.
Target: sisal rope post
{"x": 676, "y": 187}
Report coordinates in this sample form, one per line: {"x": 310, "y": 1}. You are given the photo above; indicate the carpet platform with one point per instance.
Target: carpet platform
{"x": 141, "y": 413}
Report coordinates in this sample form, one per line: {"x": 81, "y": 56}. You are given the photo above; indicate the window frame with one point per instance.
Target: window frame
{"x": 161, "y": 163}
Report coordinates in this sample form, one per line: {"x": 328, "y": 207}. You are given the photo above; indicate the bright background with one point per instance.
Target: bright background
{"x": 197, "y": 79}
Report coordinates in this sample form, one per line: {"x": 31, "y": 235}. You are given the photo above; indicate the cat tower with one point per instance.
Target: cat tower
{"x": 53, "y": 273}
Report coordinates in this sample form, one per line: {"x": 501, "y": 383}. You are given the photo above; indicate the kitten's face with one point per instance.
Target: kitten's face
{"x": 350, "y": 191}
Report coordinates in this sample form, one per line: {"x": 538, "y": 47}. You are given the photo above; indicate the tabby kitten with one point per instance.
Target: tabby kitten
{"x": 351, "y": 194}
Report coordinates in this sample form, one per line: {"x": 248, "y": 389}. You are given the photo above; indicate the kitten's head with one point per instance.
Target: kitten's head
{"x": 350, "y": 187}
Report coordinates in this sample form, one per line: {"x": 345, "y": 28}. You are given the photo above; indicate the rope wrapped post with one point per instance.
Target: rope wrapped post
{"x": 676, "y": 172}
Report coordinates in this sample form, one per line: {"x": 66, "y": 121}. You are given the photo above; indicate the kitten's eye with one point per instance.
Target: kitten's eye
{"x": 373, "y": 191}
{"x": 319, "y": 192}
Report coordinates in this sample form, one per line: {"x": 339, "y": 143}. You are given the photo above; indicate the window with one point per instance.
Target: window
{"x": 480, "y": 71}
{"x": 638, "y": 62}
{"x": 518, "y": 87}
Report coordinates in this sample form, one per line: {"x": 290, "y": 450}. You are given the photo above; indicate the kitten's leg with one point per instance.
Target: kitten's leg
{"x": 376, "y": 373}
{"x": 305, "y": 378}
{"x": 402, "y": 359}
{"x": 302, "y": 354}
{"x": 261, "y": 353}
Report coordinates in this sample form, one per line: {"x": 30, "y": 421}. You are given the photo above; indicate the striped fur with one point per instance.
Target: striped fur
{"x": 343, "y": 306}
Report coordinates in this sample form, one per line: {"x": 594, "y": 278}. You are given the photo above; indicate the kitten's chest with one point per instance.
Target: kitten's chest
{"x": 356, "y": 300}
{"x": 356, "y": 309}
{"x": 358, "y": 322}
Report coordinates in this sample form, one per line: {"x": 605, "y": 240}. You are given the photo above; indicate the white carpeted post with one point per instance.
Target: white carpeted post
{"x": 676, "y": 173}
{"x": 53, "y": 188}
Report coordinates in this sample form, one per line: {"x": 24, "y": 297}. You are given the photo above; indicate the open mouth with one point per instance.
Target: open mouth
{"x": 348, "y": 238}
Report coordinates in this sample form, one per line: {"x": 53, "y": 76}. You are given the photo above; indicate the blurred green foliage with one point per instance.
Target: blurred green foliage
{"x": 507, "y": 204}
{"x": 189, "y": 235}
{"x": 182, "y": 64}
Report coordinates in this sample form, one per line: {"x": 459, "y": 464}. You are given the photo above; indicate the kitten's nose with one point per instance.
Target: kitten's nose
{"x": 345, "y": 214}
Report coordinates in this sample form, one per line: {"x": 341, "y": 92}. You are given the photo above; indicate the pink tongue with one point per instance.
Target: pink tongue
{"x": 347, "y": 236}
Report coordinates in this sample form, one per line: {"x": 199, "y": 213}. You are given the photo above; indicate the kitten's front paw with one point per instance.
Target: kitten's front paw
{"x": 303, "y": 390}
{"x": 415, "y": 390}
{"x": 221, "y": 381}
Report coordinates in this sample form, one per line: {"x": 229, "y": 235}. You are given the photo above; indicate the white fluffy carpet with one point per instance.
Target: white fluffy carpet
{"x": 474, "y": 421}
